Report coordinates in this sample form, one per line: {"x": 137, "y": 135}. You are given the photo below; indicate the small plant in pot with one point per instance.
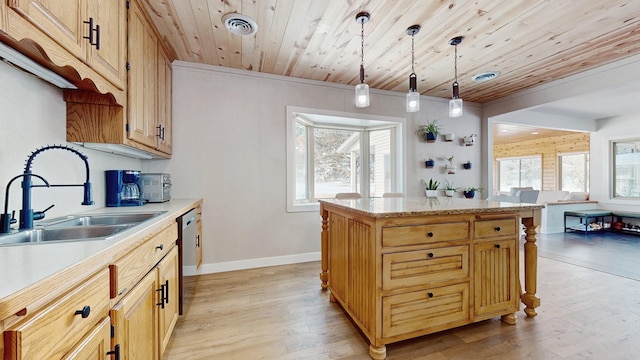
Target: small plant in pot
{"x": 429, "y": 131}
{"x": 470, "y": 192}
{"x": 450, "y": 190}
{"x": 451, "y": 169}
{"x": 467, "y": 165}
{"x": 430, "y": 163}
{"x": 431, "y": 188}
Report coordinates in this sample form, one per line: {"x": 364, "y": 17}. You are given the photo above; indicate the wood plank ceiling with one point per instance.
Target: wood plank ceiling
{"x": 530, "y": 42}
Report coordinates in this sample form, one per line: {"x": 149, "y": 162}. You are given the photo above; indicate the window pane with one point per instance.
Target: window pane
{"x": 509, "y": 174}
{"x": 574, "y": 172}
{"x": 627, "y": 169}
{"x": 531, "y": 172}
{"x": 519, "y": 172}
{"x": 380, "y": 164}
{"x": 336, "y": 154}
{"x": 300, "y": 160}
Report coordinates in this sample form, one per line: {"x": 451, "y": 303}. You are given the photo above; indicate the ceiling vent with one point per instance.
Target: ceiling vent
{"x": 240, "y": 24}
{"x": 485, "y": 76}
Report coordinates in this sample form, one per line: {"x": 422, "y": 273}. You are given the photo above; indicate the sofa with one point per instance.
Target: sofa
{"x": 556, "y": 201}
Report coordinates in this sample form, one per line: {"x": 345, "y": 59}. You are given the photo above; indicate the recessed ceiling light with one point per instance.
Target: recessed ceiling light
{"x": 504, "y": 130}
{"x": 485, "y": 76}
{"x": 535, "y": 133}
{"x": 240, "y": 24}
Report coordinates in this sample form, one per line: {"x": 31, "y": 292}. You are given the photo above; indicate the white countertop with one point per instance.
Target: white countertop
{"x": 22, "y": 266}
{"x": 415, "y": 206}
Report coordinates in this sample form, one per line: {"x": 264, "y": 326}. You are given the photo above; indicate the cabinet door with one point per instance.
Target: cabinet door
{"x": 95, "y": 345}
{"x": 110, "y": 59}
{"x": 142, "y": 77}
{"x": 168, "y": 280}
{"x": 135, "y": 319}
{"x": 496, "y": 278}
{"x": 164, "y": 93}
{"x": 63, "y": 21}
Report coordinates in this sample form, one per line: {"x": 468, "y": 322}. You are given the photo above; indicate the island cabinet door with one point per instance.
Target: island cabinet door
{"x": 496, "y": 278}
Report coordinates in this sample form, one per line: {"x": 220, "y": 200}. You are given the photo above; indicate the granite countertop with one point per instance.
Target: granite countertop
{"x": 416, "y": 206}
{"x": 26, "y": 267}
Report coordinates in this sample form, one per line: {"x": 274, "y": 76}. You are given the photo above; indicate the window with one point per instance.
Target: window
{"x": 328, "y": 153}
{"x": 626, "y": 168}
{"x": 519, "y": 172}
{"x": 574, "y": 172}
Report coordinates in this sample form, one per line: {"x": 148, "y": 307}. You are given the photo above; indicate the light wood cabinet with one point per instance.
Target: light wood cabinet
{"x": 64, "y": 323}
{"x": 146, "y": 121}
{"x": 407, "y": 276}
{"x": 168, "y": 278}
{"x": 91, "y": 30}
{"x": 96, "y": 345}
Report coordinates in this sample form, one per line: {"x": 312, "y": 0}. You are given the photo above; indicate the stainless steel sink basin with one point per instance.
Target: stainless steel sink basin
{"x": 77, "y": 228}
{"x": 53, "y": 234}
{"x": 100, "y": 219}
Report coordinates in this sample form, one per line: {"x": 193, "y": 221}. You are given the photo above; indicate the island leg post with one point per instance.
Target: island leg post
{"x": 377, "y": 352}
{"x": 324, "y": 248}
{"x": 530, "y": 268}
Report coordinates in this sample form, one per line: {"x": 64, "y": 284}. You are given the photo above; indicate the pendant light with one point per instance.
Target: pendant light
{"x": 455, "y": 104}
{"x": 413, "y": 97}
{"x": 362, "y": 89}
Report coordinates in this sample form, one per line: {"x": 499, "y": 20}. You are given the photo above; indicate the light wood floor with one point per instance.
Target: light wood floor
{"x": 281, "y": 313}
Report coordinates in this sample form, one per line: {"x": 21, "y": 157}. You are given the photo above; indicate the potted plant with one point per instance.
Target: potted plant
{"x": 450, "y": 190}
{"x": 429, "y": 131}
{"x": 470, "y": 192}
{"x": 449, "y": 136}
{"x": 430, "y": 163}
{"x": 431, "y": 188}
{"x": 451, "y": 169}
{"x": 467, "y": 165}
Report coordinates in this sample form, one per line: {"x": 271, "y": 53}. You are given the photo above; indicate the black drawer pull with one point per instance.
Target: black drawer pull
{"x": 84, "y": 313}
{"x": 430, "y": 234}
{"x": 430, "y": 294}
{"x": 497, "y": 228}
{"x": 115, "y": 352}
{"x": 430, "y": 255}
{"x": 160, "y": 247}
{"x": 497, "y": 246}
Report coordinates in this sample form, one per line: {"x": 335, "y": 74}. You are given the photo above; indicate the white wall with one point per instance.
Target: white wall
{"x": 230, "y": 149}
{"x": 32, "y": 115}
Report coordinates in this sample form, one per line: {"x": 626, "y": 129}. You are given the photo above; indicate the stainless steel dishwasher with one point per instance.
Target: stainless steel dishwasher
{"x": 187, "y": 242}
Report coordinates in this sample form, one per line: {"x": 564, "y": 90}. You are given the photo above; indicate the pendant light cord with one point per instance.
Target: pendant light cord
{"x": 412, "y": 60}
{"x": 362, "y": 51}
{"x": 455, "y": 63}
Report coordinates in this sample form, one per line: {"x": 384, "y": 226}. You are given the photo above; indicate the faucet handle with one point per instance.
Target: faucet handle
{"x": 39, "y": 215}
{"x": 6, "y": 221}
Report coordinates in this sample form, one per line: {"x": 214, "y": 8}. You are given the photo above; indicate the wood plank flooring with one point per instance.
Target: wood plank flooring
{"x": 281, "y": 313}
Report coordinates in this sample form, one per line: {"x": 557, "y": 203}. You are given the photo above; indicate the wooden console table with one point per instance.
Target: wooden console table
{"x": 406, "y": 267}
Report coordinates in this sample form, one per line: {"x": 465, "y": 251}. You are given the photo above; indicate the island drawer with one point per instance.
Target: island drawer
{"x": 425, "y": 234}
{"x": 131, "y": 268}
{"x": 425, "y": 311}
{"x": 52, "y": 332}
{"x": 424, "y": 267}
{"x": 490, "y": 229}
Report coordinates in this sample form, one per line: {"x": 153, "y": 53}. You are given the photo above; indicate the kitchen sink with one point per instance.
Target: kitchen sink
{"x": 77, "y": 228}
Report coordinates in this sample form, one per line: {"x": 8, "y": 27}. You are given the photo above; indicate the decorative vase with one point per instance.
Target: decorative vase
{"x": 449, "y": 137}
{"x": 431, "y": 193}
{"x": 451, "y": 169}
{"x": 449, "y": 193}
{"x": 470, "y": 140}
{"x": 467, "y": 165}
{"x": 469, "y": 194}
{"x": 430, "y": 163}
{"x": 431, "y": 137}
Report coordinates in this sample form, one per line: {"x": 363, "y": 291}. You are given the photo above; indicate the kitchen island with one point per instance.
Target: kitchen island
{"x": 406, "y": 267}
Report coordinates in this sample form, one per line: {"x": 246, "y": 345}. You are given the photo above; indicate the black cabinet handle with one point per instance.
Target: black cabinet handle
{"x": 159, "y": 127}
{"x": 497, "y": 246}
{"x": 115, "y": 352}
{"x": 430, "y": 255}
{"x": 84, "y": 313}
{"x": 430, "y": 294}
{"x": 161, "y": 303}
{"x": 97, "y": 44}
{"x": 497, "y": 228}
{"x": 430, "y": 234}
{"x": 166, "y": 292}
{"x": 198, "y": 240}
{"x": 90, "y": 37}
{"x": 160, "y": 247}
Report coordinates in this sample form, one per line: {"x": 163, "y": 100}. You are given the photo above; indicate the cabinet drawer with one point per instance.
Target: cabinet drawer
{"x": 424, "y": 267}
{"x": 424, "y": 234}
{"x": 493, "y": 228}
{"x": 425, "y": 311}
{"x": 52, "y": 332}
{"x": 129, "y": 269}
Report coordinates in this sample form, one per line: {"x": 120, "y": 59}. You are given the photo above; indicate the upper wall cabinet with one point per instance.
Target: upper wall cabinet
{"x": 91, "y": 30}
{"x": 82, "y": 40}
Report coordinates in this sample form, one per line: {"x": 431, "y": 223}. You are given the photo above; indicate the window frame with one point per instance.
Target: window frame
{"x": 342, "y": 119}
{"x": 498, "y": 169}
{"x": 587, "y": 160}
{"x": 612, "y": 174}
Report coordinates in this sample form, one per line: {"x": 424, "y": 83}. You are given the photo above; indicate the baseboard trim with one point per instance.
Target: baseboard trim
{"x": 250, "y": 264}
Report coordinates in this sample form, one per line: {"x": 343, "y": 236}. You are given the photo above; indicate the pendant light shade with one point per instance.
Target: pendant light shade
{"x": 362, "y": 89}
{"x": 413, "y": 97}
{"x": 455, "y": 104}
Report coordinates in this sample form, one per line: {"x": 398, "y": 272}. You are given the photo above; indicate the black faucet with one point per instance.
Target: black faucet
{"x": 27, "y": 215}
{"x": 7, "y": 219}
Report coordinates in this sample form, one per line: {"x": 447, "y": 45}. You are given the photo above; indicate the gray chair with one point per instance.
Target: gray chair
{"x": 348, "y": 195}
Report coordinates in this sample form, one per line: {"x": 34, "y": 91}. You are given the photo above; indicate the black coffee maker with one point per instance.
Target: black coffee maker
{"x": 123, "y": 188}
